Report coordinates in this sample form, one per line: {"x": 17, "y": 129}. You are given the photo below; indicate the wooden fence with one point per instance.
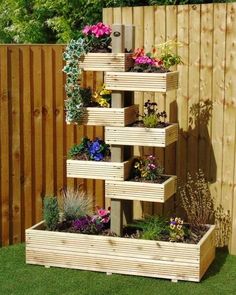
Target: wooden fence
{"x": 34, "y": 138}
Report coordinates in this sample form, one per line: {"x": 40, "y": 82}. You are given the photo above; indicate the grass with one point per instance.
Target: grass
{"x": 18, "y": 278}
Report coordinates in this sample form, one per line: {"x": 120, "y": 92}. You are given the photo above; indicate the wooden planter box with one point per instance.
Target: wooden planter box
{"x": 130, "y": 81}
{"x": 176, "y": 261}
{"x": 141, "y": 191}
{"x": 154, "y": 137}
{"x": 110, "y": 116}
{"x": 118, "y": 62}
{"x": 98, "y": 169}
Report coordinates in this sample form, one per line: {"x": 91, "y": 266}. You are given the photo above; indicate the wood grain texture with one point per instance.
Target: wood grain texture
{"x": 109, "y": 254}
{"x": 139, "y": 191}
{"x": 158, "y": 137}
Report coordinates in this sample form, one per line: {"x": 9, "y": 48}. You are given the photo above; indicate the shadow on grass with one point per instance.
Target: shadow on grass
{"x": 217, "y": 264}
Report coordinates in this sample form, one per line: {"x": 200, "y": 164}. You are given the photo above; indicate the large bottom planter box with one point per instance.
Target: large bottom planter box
{"x": 176, "y": 261}
{"x": 154, "y": 137}
{"x": 110, "y": 116}
{"x": 141, "y": 191}
{"x": 106, "y": 62}
{"x": 131, "y": 81}
{"x": 98, "y": 169}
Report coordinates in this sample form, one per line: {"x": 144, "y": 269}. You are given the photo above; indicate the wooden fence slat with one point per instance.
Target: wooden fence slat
{"x": 5, "y": 147}
{"x": 27, "y": 138}
{"x": 37, "y": 144}
{"x": 218, "y": 93}
{"x": 16, "y": 144}
{"x": 229, "y": 145}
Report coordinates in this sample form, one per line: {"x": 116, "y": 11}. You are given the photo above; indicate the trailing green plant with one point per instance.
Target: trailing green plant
{"x": 95, "y": 37}
{"x": 146, "y": 168}
{"x": 152, "y": 227}
{"x": 151, "y": 117}
{"x": 79, "y": 149}
{"x": 75, "y": 204}
{"x": 51, "y": 212}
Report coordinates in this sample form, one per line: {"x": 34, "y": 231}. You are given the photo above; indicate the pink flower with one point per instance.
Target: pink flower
{"x": 102, "y": 212}
{"x": 99, "y": 30}
{"x": 86, "y": 30}
{"x": 145, "y": 60}
{"x": 151, "y": 158}
{"x": 137, "y": 53}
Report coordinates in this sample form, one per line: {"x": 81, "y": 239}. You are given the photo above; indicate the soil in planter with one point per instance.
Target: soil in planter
{"x": 141, "y": 124}
{"x": 148, "y": 69}
{"x": 159, "y": 180}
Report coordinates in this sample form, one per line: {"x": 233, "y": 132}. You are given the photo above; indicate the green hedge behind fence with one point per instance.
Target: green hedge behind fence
{"x": 50, "y": 21}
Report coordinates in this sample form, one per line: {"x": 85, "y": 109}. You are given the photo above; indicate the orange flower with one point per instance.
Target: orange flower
{"x": 138, "y": 52}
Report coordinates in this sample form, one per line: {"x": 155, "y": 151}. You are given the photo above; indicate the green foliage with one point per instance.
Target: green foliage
{"x": 151, "y": 117}
{"x": 51, "y": 212}
{"x": 75, "y": 204}
{"x": 79, "y": 149}
{"x": 152, "y": 227}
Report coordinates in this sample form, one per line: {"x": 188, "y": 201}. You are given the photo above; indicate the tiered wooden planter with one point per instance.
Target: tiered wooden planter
{"x": 141, "y": 191}
{"x": 119, "y": 62}
{"x": 110, "y": 116}
{"x": 98, "y": 169}
{"x": 156, "y": 137}
{"x": 131, "y": 81}
{"x": 176, "y": 261}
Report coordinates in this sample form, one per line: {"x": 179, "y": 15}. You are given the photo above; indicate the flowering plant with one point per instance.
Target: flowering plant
{"x": 103, "y": 96}
{"x": 176, "y": 229}
{"x": 95, "y": 150}
{"x": 87, "y": 225}
{"x": 97, "y": 37}
{"x": 151, "y": 117}
{"x": 147, "y": 168}
{"x": 159, "y": 60}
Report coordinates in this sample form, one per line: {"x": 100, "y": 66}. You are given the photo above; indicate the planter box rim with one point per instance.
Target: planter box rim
{"x": 211, "y": 228}
{"x": 97, "y": 162}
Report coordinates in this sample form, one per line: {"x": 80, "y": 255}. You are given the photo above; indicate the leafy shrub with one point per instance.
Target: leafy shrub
{"x": 152, "y": 227}
{"x": 75, "y": 204}
{"x": 196, "y": 200}
{"x": 51, "y": 212}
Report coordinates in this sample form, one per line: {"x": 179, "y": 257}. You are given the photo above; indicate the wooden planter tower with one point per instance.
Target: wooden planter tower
{"x": 175, "y": 261}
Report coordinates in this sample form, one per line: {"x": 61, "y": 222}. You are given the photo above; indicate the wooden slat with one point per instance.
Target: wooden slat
{"x": 229, "y": 145}
{"x": 27, "y": 138}
{"x": 5, "y": 145}
{"x": 160, "y": 137}
{"x": 138, "y": 191}
{"x": 16, "y": 144}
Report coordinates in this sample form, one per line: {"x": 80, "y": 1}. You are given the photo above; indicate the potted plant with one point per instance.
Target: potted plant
{"x": 146, "y": 182}
{"x": 151, "y": 130}
{"x": 91, "y": 159}
{"x": 151, "y": 71}
{"x": 178, "y": 250}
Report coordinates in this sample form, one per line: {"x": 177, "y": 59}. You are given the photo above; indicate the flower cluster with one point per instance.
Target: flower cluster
{"x": 93, "y": 224}
{"x": 147, "y": 168}
{"x": 87, "y": 225}
{"x": 103, "y": 96}
{"x": 95, "y": 150}
{"x": 151, "y": 117}
{"x": 160, "y": 59}
{"x": 99, "y": 30}
{"x": 176, "y": 229}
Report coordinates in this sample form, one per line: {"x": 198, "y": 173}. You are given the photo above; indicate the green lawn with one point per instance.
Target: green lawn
{"x": 18, "y": 278}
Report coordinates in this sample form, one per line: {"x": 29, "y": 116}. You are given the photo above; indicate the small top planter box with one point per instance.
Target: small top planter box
{"x": 98, "y": 169}
{"x": 118, "y": 62}
{"x": 133, "y": 81}
{"x": 109, "y": 116}
{"x": 141, "y": 136}
{"x": 176, "y": 261}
